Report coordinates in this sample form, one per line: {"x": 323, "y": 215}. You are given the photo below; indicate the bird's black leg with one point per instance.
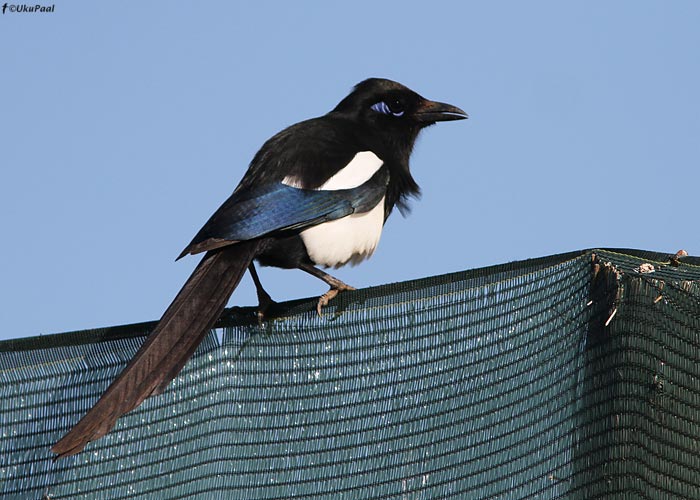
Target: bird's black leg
{"x": 264, "y": 299}
{"x": 336, "y": 285}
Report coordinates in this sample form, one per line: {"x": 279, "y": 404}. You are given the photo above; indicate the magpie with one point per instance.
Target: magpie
{"x": 316, "y": 194}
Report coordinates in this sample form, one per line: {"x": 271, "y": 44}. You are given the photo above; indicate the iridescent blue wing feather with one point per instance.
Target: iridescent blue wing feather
{"x": 277, "y": 207}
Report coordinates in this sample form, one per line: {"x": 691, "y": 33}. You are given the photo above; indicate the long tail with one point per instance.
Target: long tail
{"x": 166, "y": 350}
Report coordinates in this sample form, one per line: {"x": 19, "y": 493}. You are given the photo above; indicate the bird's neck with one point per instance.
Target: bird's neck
{"x": 402, "y": 185}
{"x": 394, "y": 148}
{"x": 395, "y": 151}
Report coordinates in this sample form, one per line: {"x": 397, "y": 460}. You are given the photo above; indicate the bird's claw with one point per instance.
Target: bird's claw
{"x": 264, "y": 303}
{"x": 324, "y": 299}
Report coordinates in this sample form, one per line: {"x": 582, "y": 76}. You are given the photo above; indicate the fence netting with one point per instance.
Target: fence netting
{"x": 570, "y": 376}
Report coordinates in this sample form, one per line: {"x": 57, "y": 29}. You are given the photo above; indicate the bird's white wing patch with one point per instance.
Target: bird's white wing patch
{"x": 358, "y": 171}
{"x": 352, "y": 238}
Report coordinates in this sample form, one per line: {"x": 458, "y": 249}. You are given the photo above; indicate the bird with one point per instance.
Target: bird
{"x": 316, "y": 195}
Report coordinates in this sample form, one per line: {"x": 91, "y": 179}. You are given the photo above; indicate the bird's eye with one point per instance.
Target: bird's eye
{"x": 395, "y": 107}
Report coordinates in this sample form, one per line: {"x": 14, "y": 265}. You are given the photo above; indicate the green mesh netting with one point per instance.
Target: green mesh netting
{"x": 572, "y": 376}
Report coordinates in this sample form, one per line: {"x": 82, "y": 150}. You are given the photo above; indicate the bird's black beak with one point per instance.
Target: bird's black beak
{"x": 431, "y": 112}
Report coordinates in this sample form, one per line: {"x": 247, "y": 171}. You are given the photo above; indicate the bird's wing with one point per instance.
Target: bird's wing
{"x": 278, "y": 207}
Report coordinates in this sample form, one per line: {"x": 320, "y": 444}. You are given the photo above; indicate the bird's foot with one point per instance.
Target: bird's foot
{"x": 264, "y": 304}
{"x": 324, "y": 299}
{"x": 336, "y": 285}
{"x": 264, "y": 299}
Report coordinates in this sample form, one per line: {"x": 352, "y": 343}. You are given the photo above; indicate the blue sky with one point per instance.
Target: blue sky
{"x": 124, "y": 126}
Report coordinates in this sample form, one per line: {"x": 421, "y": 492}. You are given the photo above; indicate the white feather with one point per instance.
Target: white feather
{"x": 355, "y": 237}
{"x": 350, "y": 239}
{"x": 358, "y": 171}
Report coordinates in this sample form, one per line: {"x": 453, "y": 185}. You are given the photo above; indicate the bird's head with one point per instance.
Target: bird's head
{"x": 387, "y": 105}
{"x": 388, "y": 117}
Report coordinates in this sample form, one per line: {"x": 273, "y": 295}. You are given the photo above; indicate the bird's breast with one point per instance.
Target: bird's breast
{"x": 351, "y": 239}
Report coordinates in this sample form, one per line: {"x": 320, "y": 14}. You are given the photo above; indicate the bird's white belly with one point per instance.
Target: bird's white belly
{"x": 350, "y": 239}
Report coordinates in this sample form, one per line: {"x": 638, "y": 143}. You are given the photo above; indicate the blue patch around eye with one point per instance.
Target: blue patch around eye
{"x": 382, "y": 107}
